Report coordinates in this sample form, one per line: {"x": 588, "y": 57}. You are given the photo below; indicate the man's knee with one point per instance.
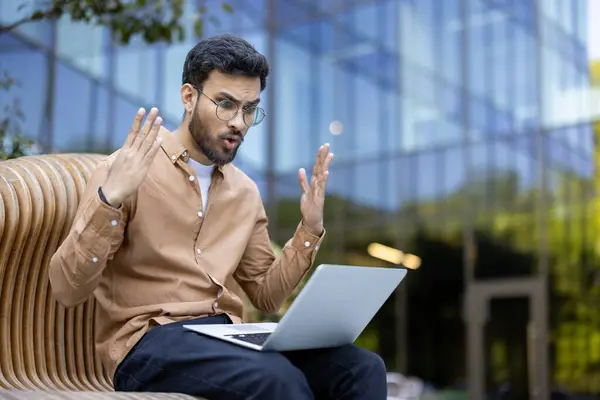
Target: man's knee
{"x": 274, "y": 374}
{"x": 372, "y": 364}
{"x": 362, "y": 360}
{"x": 368, "y": 371}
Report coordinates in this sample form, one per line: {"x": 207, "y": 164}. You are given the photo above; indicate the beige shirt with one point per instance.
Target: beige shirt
{"x": 159, "y": 258}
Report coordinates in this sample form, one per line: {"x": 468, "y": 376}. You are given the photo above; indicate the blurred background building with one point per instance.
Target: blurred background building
{"x": 464, "y": 136}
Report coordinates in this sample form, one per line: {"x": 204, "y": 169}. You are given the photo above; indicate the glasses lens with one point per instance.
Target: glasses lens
{"x": 254, "y": 116}
{"x": 226, "y": 110}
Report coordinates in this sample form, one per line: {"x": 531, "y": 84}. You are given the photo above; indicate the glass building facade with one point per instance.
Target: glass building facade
{"x": 463, "y": 133}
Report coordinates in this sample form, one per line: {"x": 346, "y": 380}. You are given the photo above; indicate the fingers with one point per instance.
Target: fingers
{"x": 323, "y": 160}
{"x": 302, "y": 180}
{"x": 320, "y": 169}
{"x": 139, "y": 138}
{"x": 320, "y": 173}
{"x": 150, "y": 139}
{"x": 151, "y": 153}
{"x": 321, "y": 155}
{"x": 319, "y": 182}
{"x": 135, "y": 128}
{"x": 327, "y": 162}
{"x": 325, "y": 174}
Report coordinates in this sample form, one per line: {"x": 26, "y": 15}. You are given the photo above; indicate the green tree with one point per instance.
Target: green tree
{"x": 13, "y": 142}
{"x": 153, "y": 20}
{"x": 507, "y": 235}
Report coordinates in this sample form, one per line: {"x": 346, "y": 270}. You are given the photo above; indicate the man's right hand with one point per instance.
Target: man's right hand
{"x": 133, "y": 161}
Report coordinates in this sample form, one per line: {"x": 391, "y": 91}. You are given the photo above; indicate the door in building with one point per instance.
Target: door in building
{"x": 507, "y": 325}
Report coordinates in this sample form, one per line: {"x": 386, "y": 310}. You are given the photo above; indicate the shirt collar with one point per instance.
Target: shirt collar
{"x": 175, "y": 150}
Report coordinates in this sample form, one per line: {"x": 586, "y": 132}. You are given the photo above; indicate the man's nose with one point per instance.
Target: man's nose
{"x": 237, "y": 122}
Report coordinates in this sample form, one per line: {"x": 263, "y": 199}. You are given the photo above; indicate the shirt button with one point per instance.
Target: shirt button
{"x": 198, "y": 250}
{"x": 173, "y": 157}
{"x": 95, "y": 259}
{"x": 307, "y": 244}
{"x": 199, "y": 213}
{"x": 114, "y": 222}
{"x": 192, "y": 178}
{"x": 184, "y": 153}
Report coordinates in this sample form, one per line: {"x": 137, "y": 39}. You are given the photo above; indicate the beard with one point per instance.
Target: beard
{"x": 211, "y": 147}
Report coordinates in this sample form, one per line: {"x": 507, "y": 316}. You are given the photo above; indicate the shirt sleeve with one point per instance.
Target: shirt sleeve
{"x": 95, "y": 235}
{"x": 268, "y": 280}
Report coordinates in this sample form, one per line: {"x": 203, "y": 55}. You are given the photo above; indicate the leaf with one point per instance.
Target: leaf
{"x": 180, "y": 33}
{"x": 177, "y": 8}
{"x": 227, "y": 8}
{"x": 125, "y": 34}
{"x": 153, "y": 32}
{"x": 167, "y": 34}
{"x": 199, "y": 27}
{"x": 37, "y": 15}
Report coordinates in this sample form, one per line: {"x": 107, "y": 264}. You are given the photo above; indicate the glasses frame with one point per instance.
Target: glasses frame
{"x": 258, "y": 109}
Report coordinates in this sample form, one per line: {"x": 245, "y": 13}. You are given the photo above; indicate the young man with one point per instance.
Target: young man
{"x": 167, "y": 221}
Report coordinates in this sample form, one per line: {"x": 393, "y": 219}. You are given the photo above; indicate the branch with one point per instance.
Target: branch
{"x": 153, "y": 20}
{"x": 38, "y": 15}
{"x": 10, "y": 27}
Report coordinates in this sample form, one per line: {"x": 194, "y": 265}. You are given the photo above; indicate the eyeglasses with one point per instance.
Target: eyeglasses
{"x": 227, "y": 109}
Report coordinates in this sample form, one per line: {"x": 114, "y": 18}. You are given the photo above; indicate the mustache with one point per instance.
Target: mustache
{"x": 230, "y": 134}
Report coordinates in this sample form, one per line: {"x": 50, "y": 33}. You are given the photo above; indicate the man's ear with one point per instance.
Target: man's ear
{"x": 188, "y": 97}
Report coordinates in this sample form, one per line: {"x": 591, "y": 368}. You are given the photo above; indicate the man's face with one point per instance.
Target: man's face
{"x": 217, "y": 135}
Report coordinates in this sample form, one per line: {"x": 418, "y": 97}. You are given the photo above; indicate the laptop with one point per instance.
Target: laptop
{"x": 332, "y": 309}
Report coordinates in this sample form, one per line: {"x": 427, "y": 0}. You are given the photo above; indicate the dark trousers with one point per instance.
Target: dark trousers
{"x": 170, "y": 358}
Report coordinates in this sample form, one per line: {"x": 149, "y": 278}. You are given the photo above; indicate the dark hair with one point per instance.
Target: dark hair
{"x": 227, "y": 53}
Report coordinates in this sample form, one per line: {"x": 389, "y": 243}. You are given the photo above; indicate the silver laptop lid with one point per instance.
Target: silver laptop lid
{"x": 335, "y": 306}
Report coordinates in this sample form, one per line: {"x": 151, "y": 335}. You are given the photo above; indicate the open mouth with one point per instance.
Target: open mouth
{"x": 230, "y": 143}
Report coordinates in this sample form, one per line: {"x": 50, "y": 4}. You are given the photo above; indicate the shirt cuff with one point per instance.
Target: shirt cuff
{"x": 306, "y": 243}
{"x": 101, "y": 222}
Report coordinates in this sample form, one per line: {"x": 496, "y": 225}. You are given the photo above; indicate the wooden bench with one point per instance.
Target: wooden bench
{"x": 46, "y": 351}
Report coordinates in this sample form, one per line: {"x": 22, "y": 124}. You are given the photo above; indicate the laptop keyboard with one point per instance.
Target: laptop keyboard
{"x": 254, "y": 338}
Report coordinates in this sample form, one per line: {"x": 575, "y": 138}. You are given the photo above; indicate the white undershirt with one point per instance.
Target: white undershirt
{"x": 204, "y": 174}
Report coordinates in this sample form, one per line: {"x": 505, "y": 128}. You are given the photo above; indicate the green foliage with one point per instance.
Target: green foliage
{"x": 154, "y": 20}
{"x": 13, "y": 142}
{"x": 507, "y": 227}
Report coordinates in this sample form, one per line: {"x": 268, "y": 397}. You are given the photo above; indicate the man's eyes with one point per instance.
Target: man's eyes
{"x": 230, "y": 105}
{"x": 227, "y": 104}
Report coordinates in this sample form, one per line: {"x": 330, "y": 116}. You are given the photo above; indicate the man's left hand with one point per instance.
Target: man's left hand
{"x": 313, "y": 195}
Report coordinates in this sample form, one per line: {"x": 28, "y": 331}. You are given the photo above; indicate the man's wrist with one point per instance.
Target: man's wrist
{"x": 106, "y": 200}
{"x": 316, "y": 231}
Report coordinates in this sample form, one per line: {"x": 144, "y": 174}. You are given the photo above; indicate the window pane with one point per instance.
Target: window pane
{"x": 72, "y": 122}
{"x": 136, "y": 73}
{"x": 101, "y": 119}
{"x": 29, "y": 68}
{"x": 295, "y": 90}
{"x": 124, "y": 114}
{"x": 83, "y": 45}
{"x": 367, "y": 184}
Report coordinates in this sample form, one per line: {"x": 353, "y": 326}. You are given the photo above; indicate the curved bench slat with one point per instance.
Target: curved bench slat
{"x": 11, "y": 300}
{"x": 47, "y": 350}
{"x": 9, "y": 232}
